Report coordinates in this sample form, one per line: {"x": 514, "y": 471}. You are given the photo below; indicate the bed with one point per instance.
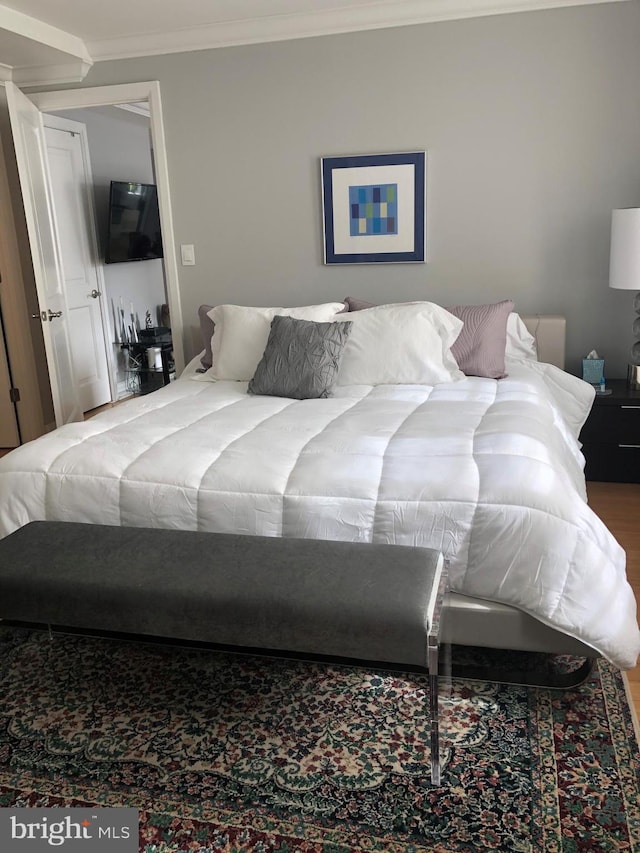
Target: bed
{"x": 489, "y": 471}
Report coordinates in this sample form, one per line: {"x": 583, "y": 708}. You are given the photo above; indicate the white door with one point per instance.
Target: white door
{"x": 71, "y": 183}
{"x": 28, "y": 137}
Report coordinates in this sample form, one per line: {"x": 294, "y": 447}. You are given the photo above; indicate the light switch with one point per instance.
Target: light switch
{"x": 188, "y": 254}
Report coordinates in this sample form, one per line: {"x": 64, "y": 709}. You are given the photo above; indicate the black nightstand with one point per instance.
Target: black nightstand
{"x": 611, "y": 435}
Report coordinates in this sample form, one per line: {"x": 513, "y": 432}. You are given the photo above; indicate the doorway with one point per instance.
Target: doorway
{"x": 118, "y": 148}
{"x": 73, "y": 99}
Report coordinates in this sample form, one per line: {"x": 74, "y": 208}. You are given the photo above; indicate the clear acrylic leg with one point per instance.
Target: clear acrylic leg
{"x": 439, "y": 667}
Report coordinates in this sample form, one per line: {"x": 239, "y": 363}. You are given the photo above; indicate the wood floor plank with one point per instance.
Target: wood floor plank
{"x": 618, "y": 505}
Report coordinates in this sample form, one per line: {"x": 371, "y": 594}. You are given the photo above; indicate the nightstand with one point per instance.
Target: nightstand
{"x": 611, "y": 435}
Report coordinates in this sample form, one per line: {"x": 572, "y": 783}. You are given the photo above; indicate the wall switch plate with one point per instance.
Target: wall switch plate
{"x": 188, "y": 254}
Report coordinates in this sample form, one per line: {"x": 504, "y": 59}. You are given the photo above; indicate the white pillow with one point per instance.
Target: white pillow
{"x": 520, "y": 341}
{"x": 404, "y": 343}
{"x": 242, "y": 334}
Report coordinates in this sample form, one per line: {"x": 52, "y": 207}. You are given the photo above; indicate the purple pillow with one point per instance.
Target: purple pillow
{"x": 479, "y": 348}
{"x": 206, "y": 329}
{"x": 357, "y": 304}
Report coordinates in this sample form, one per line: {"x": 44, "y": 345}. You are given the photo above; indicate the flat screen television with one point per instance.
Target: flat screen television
{"x": 134, "y": 223}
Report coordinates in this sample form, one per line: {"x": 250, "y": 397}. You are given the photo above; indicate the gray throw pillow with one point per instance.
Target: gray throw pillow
{"x": 301, "y": 359}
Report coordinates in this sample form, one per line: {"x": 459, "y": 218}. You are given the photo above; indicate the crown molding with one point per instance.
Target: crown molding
{"x": 35, "y": 53}
{"x": 47, "y": 75}
{"x": 37, "y": 32}
{"x": 393, "y": 13}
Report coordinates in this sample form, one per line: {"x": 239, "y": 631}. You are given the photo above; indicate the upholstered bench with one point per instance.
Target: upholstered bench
{"x": 358, "y": 601}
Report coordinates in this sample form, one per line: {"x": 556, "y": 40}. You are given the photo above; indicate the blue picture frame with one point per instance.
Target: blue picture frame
{"x": 374, "y": 208}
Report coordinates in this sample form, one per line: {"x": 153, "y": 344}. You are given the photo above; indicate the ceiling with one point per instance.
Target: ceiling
{"x": 45, "y": 41}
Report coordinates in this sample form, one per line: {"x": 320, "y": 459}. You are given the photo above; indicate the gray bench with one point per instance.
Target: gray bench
{"x": 363, "y": 602}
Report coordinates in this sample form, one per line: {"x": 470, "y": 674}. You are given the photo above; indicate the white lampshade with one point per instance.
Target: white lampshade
{"x": 624, "y": 271}
{"x": 624, "y": 262}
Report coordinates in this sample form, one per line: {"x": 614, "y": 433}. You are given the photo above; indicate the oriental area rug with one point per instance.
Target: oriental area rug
{"x": 223, "y": 752}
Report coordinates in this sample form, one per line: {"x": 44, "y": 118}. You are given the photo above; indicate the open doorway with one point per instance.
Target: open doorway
{"x": 119, "y": 149}
{"x": 28, "y": 129}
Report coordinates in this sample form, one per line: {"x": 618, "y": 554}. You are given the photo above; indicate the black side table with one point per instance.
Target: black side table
{"x": 611, "y": 435}
{"x": 146, "y": 379}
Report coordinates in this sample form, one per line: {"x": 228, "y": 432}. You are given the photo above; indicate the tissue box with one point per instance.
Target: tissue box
{"x": 592, "y": 370}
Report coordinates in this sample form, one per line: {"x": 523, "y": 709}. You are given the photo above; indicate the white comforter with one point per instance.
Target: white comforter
{"x": 489, "y": 472}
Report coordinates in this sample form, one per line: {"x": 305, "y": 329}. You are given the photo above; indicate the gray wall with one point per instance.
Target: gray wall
{"x": 531, "y": 121}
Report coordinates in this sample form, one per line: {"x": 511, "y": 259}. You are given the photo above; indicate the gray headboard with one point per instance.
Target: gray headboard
{"x": 549, "y": 330}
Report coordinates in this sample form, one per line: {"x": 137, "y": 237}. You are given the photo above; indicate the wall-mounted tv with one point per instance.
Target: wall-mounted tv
{"x": 134, "y": 223}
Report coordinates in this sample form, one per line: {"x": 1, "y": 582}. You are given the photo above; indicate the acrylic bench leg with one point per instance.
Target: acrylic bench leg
{"x": 435, "y": 729}
{"x": 439, "y": 668}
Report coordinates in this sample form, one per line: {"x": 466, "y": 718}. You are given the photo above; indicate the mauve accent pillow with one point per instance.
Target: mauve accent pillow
{"x": 354, "y": 304}
{"x": 301, "y": 359}
{"x": 206, "y": 330}
{"x": 480, "y": 347}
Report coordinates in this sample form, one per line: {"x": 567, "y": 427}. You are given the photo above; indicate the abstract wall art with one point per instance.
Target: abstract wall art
{"x": 374, "y": 208}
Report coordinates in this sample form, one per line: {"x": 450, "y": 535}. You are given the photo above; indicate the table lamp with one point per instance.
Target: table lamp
{"x": 624, "y": 272}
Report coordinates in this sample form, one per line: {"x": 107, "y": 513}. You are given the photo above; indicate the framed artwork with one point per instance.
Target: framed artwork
{"x": 373, "y": 208}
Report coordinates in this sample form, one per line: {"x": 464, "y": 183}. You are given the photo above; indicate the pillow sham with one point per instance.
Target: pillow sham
{"x": 242, "y": 334}
{"x": 207, "y": 327}
{"x": 520, "y": 341}
{"x": 480, "y": 347}
{"x": 402, "y": 343}
{"x": 301, "y": 359}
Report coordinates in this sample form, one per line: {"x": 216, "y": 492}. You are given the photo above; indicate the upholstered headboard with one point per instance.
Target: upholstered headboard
{"x": 549, "y": 330}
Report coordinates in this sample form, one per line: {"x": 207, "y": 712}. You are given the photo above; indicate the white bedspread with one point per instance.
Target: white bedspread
{"x": 489, "y": 472}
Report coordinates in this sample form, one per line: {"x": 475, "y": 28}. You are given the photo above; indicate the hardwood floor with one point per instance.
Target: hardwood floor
{"x": 104, "y": 408}
{"x": 618, "y": 505}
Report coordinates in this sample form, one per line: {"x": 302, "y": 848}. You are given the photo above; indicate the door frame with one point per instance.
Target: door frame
{"x": 24, "y": 370}
{"x": 70, "y": 126}
{"x": 102, "y": 96}
{"x": 9, "y": 426}
{"x": 37, "y": 196}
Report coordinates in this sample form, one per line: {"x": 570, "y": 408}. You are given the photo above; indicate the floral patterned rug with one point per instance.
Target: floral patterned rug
{"x": 234, "y": 753}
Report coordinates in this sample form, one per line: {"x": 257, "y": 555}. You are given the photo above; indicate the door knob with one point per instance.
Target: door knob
{"x": 94, "y": 293}
{"x": 54, "y": 314}
{"x": 42, "y": 316}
